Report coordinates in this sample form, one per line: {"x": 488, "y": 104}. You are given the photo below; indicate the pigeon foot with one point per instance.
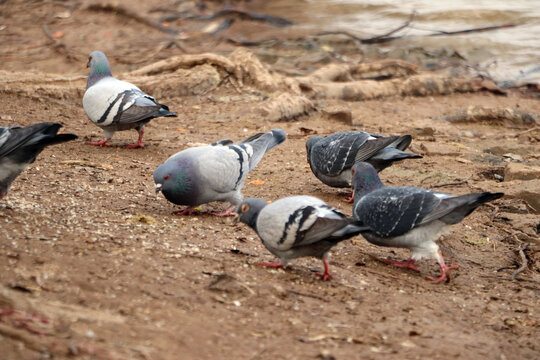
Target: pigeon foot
{"x": 139, "y": 143}
{"x": 444, "y": 270}
{"x": 274, "y": 265}
{"x": 135, "y": 146}
{"x": 444, "y": 274}
{"x": 100, "y": 143}
{"x": 350, "y": 199}
{"x": 408, "y": 264}
{"x": 228, "y": 212}
{"x": 187, "y": 211}
{"x": 326, "y": 275}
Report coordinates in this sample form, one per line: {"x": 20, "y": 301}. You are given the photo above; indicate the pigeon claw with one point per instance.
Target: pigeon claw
{"x": 326, "y": 275}
{"x": 350, "y": 199}
{"x": 187, "y": 211}
{"x": 100, "y": 143}
{"x": 138, "y": 145}
{"x": 273, "y": 265}
{"x": 228, "y": 212}
{"x": 444, "y": 274}
{"x": 408, "y": 264}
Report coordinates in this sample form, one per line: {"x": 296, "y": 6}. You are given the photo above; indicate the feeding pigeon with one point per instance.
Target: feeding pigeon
{"x": 116, "y": 105}
{"x": 203, "y": 174}
{"x": 297, "y": 226}
{"x": 331, "y": 158}
{"x": 409, "y": 217}
{"x": 19, "y": 147}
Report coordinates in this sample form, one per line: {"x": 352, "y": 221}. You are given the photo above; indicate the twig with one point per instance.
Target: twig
{"x": 124, "y": 11}
{"x": 480, "y": 29}
{"x": 391, "y": 32}
{"x": 242, "y": 15}
{"x": 524, "y": 261}
{"x": 311, "y": 295}
{"x": 536, "y": 128}
{"x": 450, "y": 183}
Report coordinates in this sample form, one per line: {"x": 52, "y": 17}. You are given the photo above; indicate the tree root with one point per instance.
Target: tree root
{"x": 494, "y": 115}
{"x": 286, "y": 107}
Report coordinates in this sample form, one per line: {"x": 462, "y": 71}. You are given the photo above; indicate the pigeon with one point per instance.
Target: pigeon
{"x": 19, "y": 147}
{"x": 331, "y": 158}
{"x": 216, "y": 172}
{"x": 409, "y": 217}
{"x": 297, "y": 226}
{"x": 116, "y": 105}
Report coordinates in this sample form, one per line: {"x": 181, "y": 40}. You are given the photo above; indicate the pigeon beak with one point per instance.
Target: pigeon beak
{"x": 158, "y": 188}
{"x": 236, "y": 219}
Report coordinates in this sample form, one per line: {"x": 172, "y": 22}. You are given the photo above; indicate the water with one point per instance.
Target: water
{"x": 508, "y": 52}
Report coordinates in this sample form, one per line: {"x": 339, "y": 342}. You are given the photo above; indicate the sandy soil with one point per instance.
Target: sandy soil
{"x": 97, "y": 267}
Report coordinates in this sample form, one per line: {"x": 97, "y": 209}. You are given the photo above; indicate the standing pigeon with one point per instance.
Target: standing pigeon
{"x": 331, "y": 158}
{"x": 409, "y": 217}
{"x": 297, "y": 226}
{"x": 116, "y": 105}
{"x": 200, "y": 175}
{"x": 19, "y": 147}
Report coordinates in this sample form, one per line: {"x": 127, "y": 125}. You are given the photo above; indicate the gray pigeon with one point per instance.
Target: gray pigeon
{"x": 331, "y": 158}
{"x": 297, "y": 226}
{"x": 409, "y": 217}
{"x": 203, "y": 174}
{"x": 19, "y": 147}
{"x": 116, "y": 105}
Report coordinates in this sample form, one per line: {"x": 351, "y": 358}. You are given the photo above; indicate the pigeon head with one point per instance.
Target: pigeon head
{"x": 310, "y": 143}
{"x": 175, "y": 181}
{"x": 248, "y": 211}
{"x": 365, "y": 178}
{"x": 99, "y": 67}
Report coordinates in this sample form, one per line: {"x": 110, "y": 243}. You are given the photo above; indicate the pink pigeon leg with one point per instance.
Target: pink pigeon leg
{"x": 409, "y": 264}
{"x": 350, "y": 199}
{"x": 228, "y": 212}
{"x": 139, "y": 143}
{"x": 444, "y": 269}
{"x": 326, "y": 275}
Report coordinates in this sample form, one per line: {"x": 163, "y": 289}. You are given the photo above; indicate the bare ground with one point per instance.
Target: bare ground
{"x": 96, "y": 266}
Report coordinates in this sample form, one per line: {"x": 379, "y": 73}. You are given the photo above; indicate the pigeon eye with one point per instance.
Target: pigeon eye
{"x": 352, "y": 171}
{"x": 89, "y": 58}
{"x": 166, "y": 177}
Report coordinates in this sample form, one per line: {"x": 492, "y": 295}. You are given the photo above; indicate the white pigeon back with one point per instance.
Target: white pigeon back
{"x": 101, "y": 95}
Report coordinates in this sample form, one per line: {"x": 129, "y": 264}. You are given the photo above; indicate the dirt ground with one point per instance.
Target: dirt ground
{"x": 97, "y": 267}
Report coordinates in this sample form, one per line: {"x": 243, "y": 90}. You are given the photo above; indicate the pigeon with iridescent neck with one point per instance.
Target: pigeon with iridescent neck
{"x": 409, "y": 217}
{"x": 297, "y": 226}
{"x": 19, "y": 147}
{"x": 116, "y": 105}
{"x": 216, "y": 172}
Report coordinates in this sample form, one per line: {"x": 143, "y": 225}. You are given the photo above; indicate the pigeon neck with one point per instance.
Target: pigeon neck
{"x": 366, "y": 182}
{"x": 98, "y": 72}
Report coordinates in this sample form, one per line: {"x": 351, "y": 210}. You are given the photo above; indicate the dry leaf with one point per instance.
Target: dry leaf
{"x": 256, "y": 182}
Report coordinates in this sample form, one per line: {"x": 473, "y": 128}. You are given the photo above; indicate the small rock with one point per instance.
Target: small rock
{"x": 514, "y": 157}
{"x": 514, "y": 171}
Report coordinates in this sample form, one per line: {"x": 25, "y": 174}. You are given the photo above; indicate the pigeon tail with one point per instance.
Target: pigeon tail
{"x": 164, "y": 111}
{"x": 402, "y": 142}
{"x": 51, "y": 136}
{"x": 462, "y": 206}
{"x": 262, "y": 143}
